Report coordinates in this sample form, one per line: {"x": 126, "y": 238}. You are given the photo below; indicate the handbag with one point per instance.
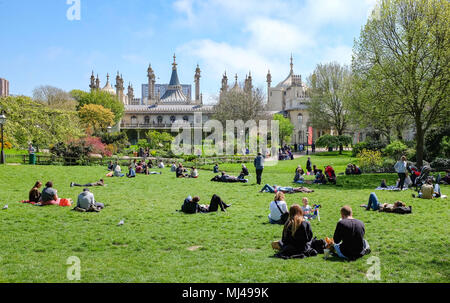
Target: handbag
{"x": 284, "y": 216}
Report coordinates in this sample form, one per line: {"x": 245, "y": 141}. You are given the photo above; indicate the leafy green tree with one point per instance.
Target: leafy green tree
{"x": 30, "y": 121}
{"x": 404, "y": 53}
{"x": 286, "y": 128}
{"x": 54, "y": 97}
{"x": 104, "y": 99}
{"x": 159, "y": 140}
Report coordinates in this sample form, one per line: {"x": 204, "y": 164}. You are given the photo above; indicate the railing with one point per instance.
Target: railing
{"x": 148, "y": 125}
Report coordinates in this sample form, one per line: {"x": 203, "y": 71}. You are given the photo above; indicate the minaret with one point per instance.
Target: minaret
{"x": 92, "y": 85}
{"x": 269, "y": 82}
{"x": 249, "y": 83}
{"x": 292, "y": 65}
{"x": 197, "y": 84}
{"x": 119, "y": 87}
{"x": 97, "y": 83}
{"x": 130, "y": 93}
{"x": 224, "y": 83}
{"x": 151, "y": 84}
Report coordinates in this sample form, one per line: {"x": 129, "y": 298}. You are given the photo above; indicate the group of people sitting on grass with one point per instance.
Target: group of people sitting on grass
{"x": 134, "y": 168}
{"x": 297, "y": 239}
{"x": 352, "y": 169}
{"x": 192, "y": 206}
{"x": 48, "y": 196}
{"x": 285, "y": 153}
{"x": 182, "y": 172}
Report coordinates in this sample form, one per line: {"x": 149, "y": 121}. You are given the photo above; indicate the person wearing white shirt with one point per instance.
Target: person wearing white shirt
{"x": 275, "y": 206}
{"x": 400, "y": 168}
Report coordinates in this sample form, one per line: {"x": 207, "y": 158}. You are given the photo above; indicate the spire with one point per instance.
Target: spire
{"x": 235, "y": 77}
{"x": 292, "y": 64}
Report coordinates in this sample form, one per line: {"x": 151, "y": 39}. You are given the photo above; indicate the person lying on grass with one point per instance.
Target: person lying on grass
{"x": 49, "y": 195}
{"x": 285, "y": 189}
{"x": 278, "y": 209}
{"x": 348, "y": 240}
{"x": 228, "y": 179}
{"x": 428, "y": 191}
{"x": 398, "y": 207}
{"x": 101, "y": 182}
{"x": 35, "y": 195}
{"x": 297, "y": 236}
{"x": 86, "y": 202}
{"x": 191, "y": 206}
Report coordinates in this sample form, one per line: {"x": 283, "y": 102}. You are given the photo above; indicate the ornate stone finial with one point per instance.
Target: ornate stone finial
{"x": 107, "y": 77}
{"x": 174, "y": 64}
{"x": 236, "y": 78}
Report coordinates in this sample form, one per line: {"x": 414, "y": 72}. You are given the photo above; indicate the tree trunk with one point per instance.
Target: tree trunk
{"x": 420, "y": 137}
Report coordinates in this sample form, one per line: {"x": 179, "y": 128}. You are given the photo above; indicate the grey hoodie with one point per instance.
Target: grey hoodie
{"x": 86, "y": 200}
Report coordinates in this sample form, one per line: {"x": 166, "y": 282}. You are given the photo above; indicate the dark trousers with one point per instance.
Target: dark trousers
{"x": 258, "y": 175}
{"x": 402, "y": 177}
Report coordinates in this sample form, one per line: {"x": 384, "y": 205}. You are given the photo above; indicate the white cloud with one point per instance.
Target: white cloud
{"x": 341, "y": 54}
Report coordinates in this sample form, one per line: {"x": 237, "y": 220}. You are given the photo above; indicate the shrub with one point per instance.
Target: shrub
{"x": 370, "y": 159}
{"x": 395, "y": 150}
{"x": 441, "y": 164}
{"x": 369, "y": 145}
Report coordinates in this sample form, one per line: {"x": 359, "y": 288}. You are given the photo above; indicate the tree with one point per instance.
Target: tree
{"x": 240, "y": 105}
{"x": 96, "y": 117}
{"x": 159, "y": 140}
{"x": 54, "y": 97}
{"x": 329, "y": 97}
{"x": 104, "y": 99}
{"x": 404, "y": 53}
{"x": 331, "y": 141}
{"x": 31, "y": 121}
{"x": 286, "y": 127}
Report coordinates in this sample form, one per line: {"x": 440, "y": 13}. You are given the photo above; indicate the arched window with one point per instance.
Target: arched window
{"x": 146, "y": 120}
{"x": 173, "y": 119}
{"x": 160, "y": 119}
{"x": 300, "y": 119}
{"x": 133, "y": 120}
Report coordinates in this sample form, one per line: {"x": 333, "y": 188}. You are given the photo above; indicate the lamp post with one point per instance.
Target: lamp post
{"x": 2, "y": 122}
{"x": 109, "y": 129}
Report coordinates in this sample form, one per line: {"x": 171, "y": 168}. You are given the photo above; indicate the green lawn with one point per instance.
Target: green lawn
{"x": 152, "y": 245}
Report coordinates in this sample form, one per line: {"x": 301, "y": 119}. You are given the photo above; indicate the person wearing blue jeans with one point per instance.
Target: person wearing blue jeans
{"x": 268, "y": 189}
{"x": 373, "y": 202}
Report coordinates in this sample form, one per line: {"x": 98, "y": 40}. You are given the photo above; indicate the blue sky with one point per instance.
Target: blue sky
{"x": 40, "y": 46}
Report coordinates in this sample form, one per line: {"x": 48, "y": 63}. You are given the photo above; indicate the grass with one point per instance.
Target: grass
{"x": 159, "y": 244}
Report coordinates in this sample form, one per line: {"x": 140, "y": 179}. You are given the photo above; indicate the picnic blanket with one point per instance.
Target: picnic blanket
{"x": 390, "y": 188}
{"x": 62, "y": 202}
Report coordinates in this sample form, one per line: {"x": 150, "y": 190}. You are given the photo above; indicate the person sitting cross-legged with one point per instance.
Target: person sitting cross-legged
{"x": 86, "y": 202}
{"x": 297, "y": 237}
{"x": 349, "y": 242}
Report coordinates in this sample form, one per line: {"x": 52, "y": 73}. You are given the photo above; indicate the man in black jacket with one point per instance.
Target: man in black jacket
{"x": 349, "y": 236}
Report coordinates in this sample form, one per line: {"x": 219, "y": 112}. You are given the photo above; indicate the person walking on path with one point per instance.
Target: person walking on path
{"x": 259, "y": 166}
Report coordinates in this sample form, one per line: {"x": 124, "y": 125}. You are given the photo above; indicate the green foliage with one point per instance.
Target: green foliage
{"x": 369, "y": 145}
{"x": 104, "y": 99}
{"x": 159, "y": 140}
{"x": 402, "y": 55}
{"x": 286, "y": 128}
{"x": 395, "y": 150}
{"x": 370, "y": 159}
{"x": 441, "y": 163}
{"x": 435, "y": 143}
{"x": 30, "y": 121}
{"x": 327, "y": 141}
{"x": 119, "y": 140}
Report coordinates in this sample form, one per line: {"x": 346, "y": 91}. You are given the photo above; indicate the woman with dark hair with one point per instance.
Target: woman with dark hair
{"x": 49, "y": 195}
{"x": 35, "y": 195}
{"x": 297, "y": 236}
